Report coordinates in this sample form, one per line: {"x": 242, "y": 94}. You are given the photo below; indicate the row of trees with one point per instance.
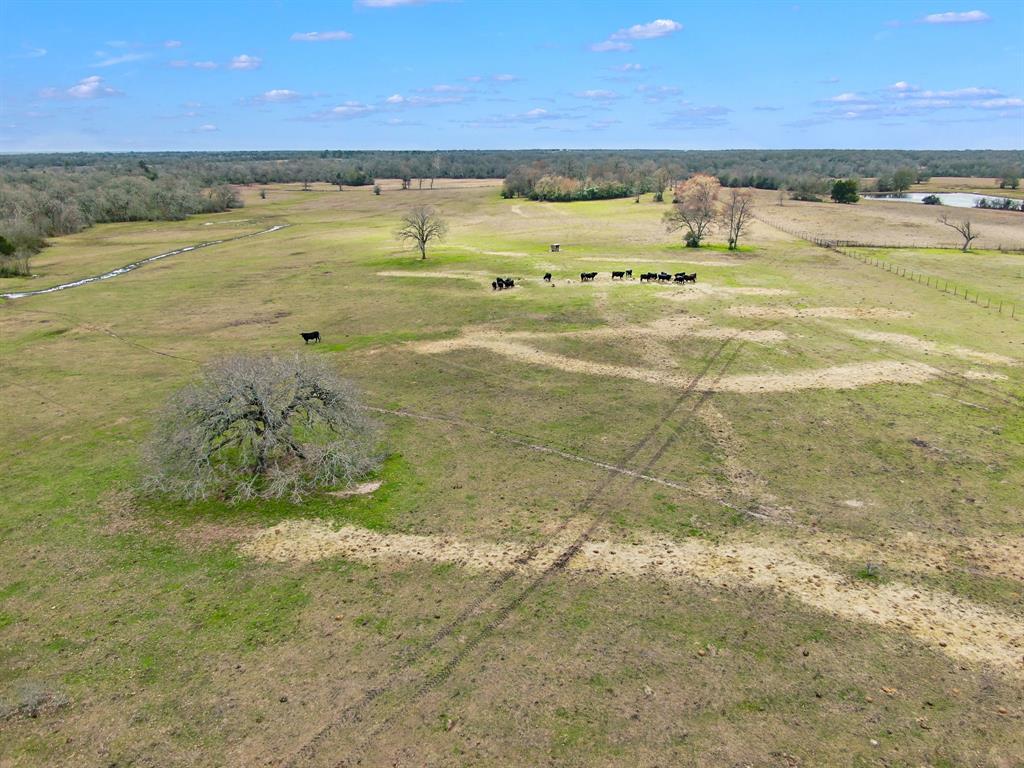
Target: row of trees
{"x": 758, "y": 168}
{"x": 698, "y": 210}
{"x": 35, "y": 205}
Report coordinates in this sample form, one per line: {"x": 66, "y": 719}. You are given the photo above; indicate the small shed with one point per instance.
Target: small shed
{"x": 555, "y": 247}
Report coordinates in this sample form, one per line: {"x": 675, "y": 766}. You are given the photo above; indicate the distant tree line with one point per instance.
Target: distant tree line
{"x": 734, "y": 167}
{"x": 43, "y": 195}
{"x": 39, "y": 203}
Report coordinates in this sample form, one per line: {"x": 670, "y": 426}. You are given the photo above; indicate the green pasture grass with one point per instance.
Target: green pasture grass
{"x": 175, "y": 648}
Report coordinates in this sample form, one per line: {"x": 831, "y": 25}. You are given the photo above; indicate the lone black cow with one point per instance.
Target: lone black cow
{"x": 313, "y": 336}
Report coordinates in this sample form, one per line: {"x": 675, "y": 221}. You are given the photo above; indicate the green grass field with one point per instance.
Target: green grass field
{"x": 772, "y": 519}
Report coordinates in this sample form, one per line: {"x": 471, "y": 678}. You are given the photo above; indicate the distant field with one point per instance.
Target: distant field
{"x": 771, "y": 519}
{"x": 883, "y": 222}
{"x": 978, "y": 185}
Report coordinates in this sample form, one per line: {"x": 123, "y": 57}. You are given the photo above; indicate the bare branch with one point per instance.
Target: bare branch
{"x": 421, "y": 225}
{"x": 964, "y": 228}
{"x": 261, "y": 426}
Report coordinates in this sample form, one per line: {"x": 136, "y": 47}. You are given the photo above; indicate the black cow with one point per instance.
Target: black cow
{"x": 680, "y": 277}
{"x": 619, "y": 275}
{"x": 629, "y": 273}
{"x": 313, "y": 336}
{"x": 664, "y": 276}
{"x": 587, "y": 276}
{"x": 547, "y": 277}
{"x": 646, "y": 277}
{"x": 494, "y": 284}
{"x": 690, "y": 278}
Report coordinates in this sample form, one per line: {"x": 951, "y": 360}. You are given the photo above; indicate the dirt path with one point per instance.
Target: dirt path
{"x": 930, "y": 347}
{"x": 952, "y": 625}
{"x": 136, "y": 264}
{"x": 836, "y": 313}
{"x": 849, "y": 376}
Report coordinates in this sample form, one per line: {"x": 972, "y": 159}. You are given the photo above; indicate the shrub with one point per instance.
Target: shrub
{"x": 845, "y": 191}
{"x": 260, "y": 426}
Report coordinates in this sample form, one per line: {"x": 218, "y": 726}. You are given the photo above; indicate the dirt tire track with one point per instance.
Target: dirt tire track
{"x": 560, "y": 563}
{"x": 308, "y": 750}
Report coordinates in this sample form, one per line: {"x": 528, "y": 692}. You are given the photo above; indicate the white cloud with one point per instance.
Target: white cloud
{"x": 969, "y": 94}
{"x": 205, "y": 65}
{"x": 902, "y": 86}
{"x": 88, "y": 88}
{"x": 630, "y": 68}
{"x": 123, "y": 59}
{"x": 504, "y": 77}
{"x": 321, "y": 37}
{"x": 597, "y": 95}
{"x": 178, "y": 63}
{"x": 648, "y": 31}
{"x": 398, "y": 100}
{"x": 653, "y": 94}
{"x": 954, "y": 17}
{"x": 847, "y": 98}
{"x": 348, "y": 110}
{"x": 473, "y": 79}
{"x": 1001, "y": 103}
{"x": 610, "y": 45}
{"x": 445, "y": 88}
{"x": 207, "y": 128}
{"x": 690, "y": 116}
{"x": 245, "y": 61}
{"x": 656, "y": 28}
{"x": 30, "y": 52}
{"x": 278, "y": 96}
{"x": 172, "y": 44}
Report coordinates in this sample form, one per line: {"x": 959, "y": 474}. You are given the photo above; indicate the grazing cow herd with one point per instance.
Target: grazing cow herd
{"x": 501, "y": 283}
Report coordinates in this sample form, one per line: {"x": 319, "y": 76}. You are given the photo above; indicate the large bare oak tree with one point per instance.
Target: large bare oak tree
{"x": 421, "y": 225}
{"x": 695, "y": 208}
{"x": 736, "y": 215}
{"x": 261, "y": 426}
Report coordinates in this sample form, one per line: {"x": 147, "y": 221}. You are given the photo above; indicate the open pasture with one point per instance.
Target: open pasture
{"x": 774, "y": 518}
{"x": 874, "y": 222}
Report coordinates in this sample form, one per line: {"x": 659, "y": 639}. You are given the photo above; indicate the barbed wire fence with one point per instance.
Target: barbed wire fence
{"x": 1001, "y": 307}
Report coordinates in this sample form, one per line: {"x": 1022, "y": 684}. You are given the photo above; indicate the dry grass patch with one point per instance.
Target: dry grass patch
{"x": 781, "y": 312}
{"x": 952, "y": 625}
{"x": 849, "y": 376}
{"x": 930, "y": 347}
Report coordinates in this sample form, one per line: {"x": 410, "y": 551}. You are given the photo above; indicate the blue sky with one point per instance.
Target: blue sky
{"x": 401, "y": 74}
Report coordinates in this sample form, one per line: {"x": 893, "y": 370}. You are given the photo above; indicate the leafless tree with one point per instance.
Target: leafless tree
{"x": 421, "y": 225}
{"x": 695, "y": 208}
{"x": 435, "y": 168}
{"x": 261, "y": 426}
{"x": 662, "y": 177}
{"x": 964, "y": 228}
{"x": 736, "y": 215}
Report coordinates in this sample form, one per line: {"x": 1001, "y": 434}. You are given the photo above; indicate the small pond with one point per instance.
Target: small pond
{"x": 954, "y": 199}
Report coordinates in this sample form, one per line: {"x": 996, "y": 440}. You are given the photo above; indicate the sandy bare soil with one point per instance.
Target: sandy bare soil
{"x": 954, "y": 626}
{"x": 850, "y": 376}
{"x": 929, "y": 347}
{"x": 835, "y": 313}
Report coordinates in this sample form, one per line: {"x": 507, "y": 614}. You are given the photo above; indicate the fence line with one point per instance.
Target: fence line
{"x": 1005, "y": 309}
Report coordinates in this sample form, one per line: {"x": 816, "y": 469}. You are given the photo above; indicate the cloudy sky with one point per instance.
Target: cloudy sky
{"x": 417, "y": 74}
